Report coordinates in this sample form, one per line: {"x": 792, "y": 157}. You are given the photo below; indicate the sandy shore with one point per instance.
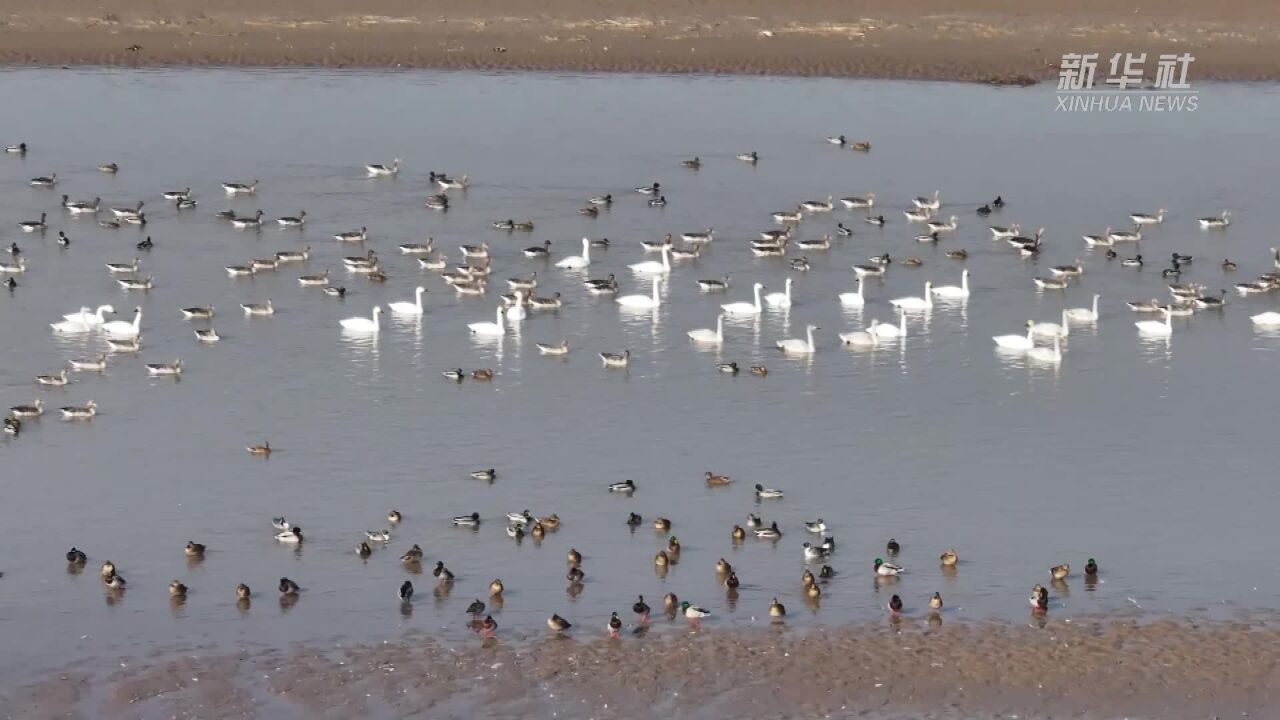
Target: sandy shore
{"x": 1104, "y": 668}
{"x": 977, "y": 40}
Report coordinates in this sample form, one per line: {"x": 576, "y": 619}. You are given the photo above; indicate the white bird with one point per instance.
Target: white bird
{"x": 745, "y": 308}
{"x": 121, "y": 330}
{"x": 796, "y": 346}
{"x": 709, "y": 336}
{"x": 1156, "y": 327}
{"x": 577, "y": 262}
{"x": 861, "y": 338}
{"x": 916, "y": 303}
{"x": 918, "y": 215}
{"x": 853, "y": 299}
{"x": 887, "y": 331}
{"x": 1082, "y": 314}
{"x": 1047, "y": 329}
{"x": 779, "y": 300}
{"x": 378, "y": 169}
{"x": 1267, "y": 319}
{"x": 1047, "y": 354}
{"x": 1219, "y": 221}
{"x": 363, "y": 324}
{"x": 489, "y": 329}
{"x": 642, "y": 301}
{"x": 409, "y": 308}
{"x": 952, "y": 291}
{"x": 1016, "y": 342}
{"x": 653, "y": 267}
{"x": 70, "y": 327}
{"x": 925, "y": 203}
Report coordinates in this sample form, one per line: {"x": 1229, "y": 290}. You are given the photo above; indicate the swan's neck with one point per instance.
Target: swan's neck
{"x": 964, "y": 281}
{"x": 1095, "y": 306}
{"x": 809, "y": 334}
{"x": 902, "y": 323}
{"x": 586, "y": 250}
{"x": 757, "y": 292}
{"x": 655, "y": 293}
{"x": 666, "y": 258}
{"x": 720, "y": 328}
{"x": 499, "y": 317}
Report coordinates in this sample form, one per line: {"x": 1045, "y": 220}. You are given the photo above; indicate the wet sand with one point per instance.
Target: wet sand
{"x": 976, "y": 40}
{"x": 1112, "y": 667}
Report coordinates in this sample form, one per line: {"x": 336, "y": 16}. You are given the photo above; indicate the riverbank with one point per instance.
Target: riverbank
{"x": 976, "y": 40}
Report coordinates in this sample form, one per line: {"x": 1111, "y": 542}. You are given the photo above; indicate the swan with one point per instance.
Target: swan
{"x": 709, "y": 336}
{"x": 1081, "y": 314}
{"x": 861, "y": 338}
{"x": 88, "y": 317}
{"x": 1016, "y": 342}
{"x": 121, "y": 329}
{"x": 916, "y": 303}
{"x": 575, "y": 262}
{"x": 653, "y": 267}
{"x": 70, "y": 327}
{"x": 853, "y": 299}
{"x": 951, "y": 291}
{"x": 490, "y": 329}
{"x": 1156, "y": 327}
{"x": 1267, "y": 319}
{"x": 409, "y": 308}
{"x": 745, "y": 308}
{"x": 886, "y": 331}
{"x": 642, "y": 301}
{"x": 779, "y": 300}
{"x": 796, "y": 345}
{"x": 1047, "y": 354}
{"x": 361, "y": 324}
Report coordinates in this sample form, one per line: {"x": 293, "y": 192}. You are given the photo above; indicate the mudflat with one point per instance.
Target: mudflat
{"x": 1007, "y": 41}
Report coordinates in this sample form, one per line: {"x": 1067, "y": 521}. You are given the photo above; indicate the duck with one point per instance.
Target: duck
{"x": 813, "y": 592}
{"x": 1039, "y": 598}
{"x": 472, "y": 520}
{"x": 495, "y": 588}
{"x": 406, "y": 592}
{"x": 764, "y": 492}
{"x": 79, "y": 412}
{"x": 335, "y": 291}
{"x": 1051, "y": 283}
{"x": 616, "y": 360}
{"x": 860, "y": 146}
{"x": 380, "y": 170}
{"x": 1148, "y": 218}
{"x": 892, "y": 547}
{"x": 661, "y": 524}
{"x": 263, "y": 449}
{"x": 754, "y": 521}
{"x": 1060, "y": 572}
{"x": 573, "y": 558}
{"x": 887, "y": 569}
{"x": 749, "y": 157}
{"x": 108, "y": 569}
{"x": 280, "y": 523}
{"x": 1091, "y": 567}
{"x": 44, "y": 181}
{"x": 35, "y": 409}
{"x": 288, "y": 587}
{"x": 816, "y": 526}
{"x": 363, "y": 550}
{"x": 769, "y": 533}
{"x": 240, "y": 188}
{"x": 114, "y": 581}
{"x": 661, "y": 559}
{"x": 634, "y": 520}
{"x": 291, "y": 536}
{"x": 19, "y": 149}
{"x": 412, "y": 556}
{"x": 759, "y": 370}
{"x": 777, "y": 609}
{"x": 63, "y": 241}
{"x": 295, "y": 221}
{"x": 75, "y": 556}
{"x": 35, "y": 225}
{"x": 692, "y": 164}
{"x": 244, "y": 223}
{"x": 626, "y": 486}
{"x": 575, "y": 576}
{"x": 382, "y": 536}
{"x": 738, "y": 533}
{"x": 243, "y": 593}
{"x": 488, "y": 474}
{"x": 874, "y": 220}
{"x": 827, "y": 572}
{"x": 895, "y": 604}
{"x": 259, "y": 309}
{"x": 731, "y": 582}
{"x": 560, "y": 348}
{"x": 442, "y": 573}
{"x": 558, "y": 624}
{"x": 935, "y": 602}
{"x": 814, "y": 552}
{"x": 693, "y": 612}
{"x": 174, "y": 368}
{"x": 10, "y": 284}
{"x": 146, "y": 244}
{"x": 949, "y": 557}
{"x": 660, "y": 201}
{"x": 194, "y": 549}
{"x": 653, "y": 189}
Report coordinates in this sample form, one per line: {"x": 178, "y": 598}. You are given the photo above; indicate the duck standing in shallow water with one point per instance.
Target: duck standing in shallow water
{"x": 614, "y": 626}
{"x": 641, "y": 609}
{"x": 895, "y": 605}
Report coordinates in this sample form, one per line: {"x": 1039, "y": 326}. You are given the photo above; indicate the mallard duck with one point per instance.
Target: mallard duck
{"x": 76, "y": 556}
{"x": 912, "y": 262}
{"x": 550, "y": 522}
{"x": 738, "y": 533}
{"x": 817, "y": 526}
{"x": 394, "y": 516}
{"x": 634, "y": 520}
{"x": 573, "y": 557}
{"x": 673, "y": 548}
{"x": 949, "y": 557}
{"x": 764, "y": 492}
{"x": 363, "y": 550}
{"x": 714, "y": 480}
{"x": 194, "y": 549}
{"x": 777, "y": 609}
{"x": 488, "y": 627}
{"x": 626, "y": 486}
{"x": 115, "y": 581}
{"x": 759, "y": 370}
{"x": 693, "y": 164}
{"x": 538, "y": 531}
{"x": 489, "y": 474}
{"x": 442, "y": 573}
{"x": 243, "y": 592}
{"x": 482, "y": 374}
{"x": 661, "y": 524}
{"x": 753, "y": 521}
{"x": 827, "y": 572}
{"x": 263, "y": 449}
{"x": 892, "y": 547}
{"x": 559, "y": 624}
{"x": 13, "y": 426}
{"x": 641, "y": 609}
{"x": 960, "y": 254}
{"x": 381, "y": 536}
{"x": 1090, "y": 568}
{"x": 661, "y": 559}
{"x": 496, "y": 587}
{"x": 280, "y": 523}
{"x": 288, "y": 587}
{"x": 412, "y": 556}
{"x": 177, "y": 589}
{"x": 935, "y": 602}
{"x": 731, "y": 582}
{"x": 813, "y": 591}
{"x": 887, "y": 569}
{"x": 1039, "y": 598}
{"x": 471, "y": 520}
{"x": 292, "y": 535}
{"x": 1060, "y": 572}
{"x": 814, "y": 552}
{"x": 807, "y": 579}
{"x": 108, "y": 569}
{"x": 575, "y": 575}
{"x": 670, "y": 603}
{"x": 406, "y": 591}
{"x": 895, "y": 605}
{"x": 772, "y": 532}
{"x": 476, "y": 607}
{"x": 693, "y": 612}
{"x": 730, "y": 368}
{"x": 1228, "y": 266}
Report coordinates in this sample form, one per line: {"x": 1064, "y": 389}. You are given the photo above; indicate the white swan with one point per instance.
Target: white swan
{"x": 88, "y": 317}
{"x": 70, "y": 327}
{"x": 709, "y": 336}
{"x": 1266, "y": 319}
{"x": 119, "y": 329}
{"x": 1016, "y": 342}
{"x": 576, "y": 262}
{"x": 642, "y": 301}
{"x": 916, "y": 303}
{"x": 1051, "y": 329}
{"x": 409, "y": 308}
{"x": 853, "y": 299}
{"x": 779, "y": 300}
{"x": 796, "y": 346}
{"x": 1156, "y": 327}
{"x": 952, "y": 291}
{"x": 861, "y": 338}
{"x": 489, "y": 328}
{"x": 361, "y": 324}
{"x": 1047, "y": 354}
{"x": 886, "y": 331}
{"x": 745, "y": 308}
{"x": 653, "y": 267}
{"x": 1081, "y": 314}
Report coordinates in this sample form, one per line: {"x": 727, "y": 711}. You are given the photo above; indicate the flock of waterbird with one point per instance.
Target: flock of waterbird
{"x": 471, "y": 274}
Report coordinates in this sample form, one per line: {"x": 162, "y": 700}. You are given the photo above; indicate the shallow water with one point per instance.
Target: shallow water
{"x": 1153, "y": 457}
